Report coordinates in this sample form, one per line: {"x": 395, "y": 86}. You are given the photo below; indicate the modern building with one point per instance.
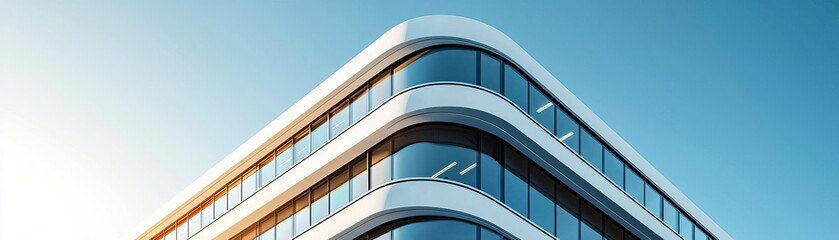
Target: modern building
{"x": 443, "y": 128}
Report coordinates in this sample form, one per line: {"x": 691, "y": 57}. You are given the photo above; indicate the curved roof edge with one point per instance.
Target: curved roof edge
{"x": 403, "y": 34}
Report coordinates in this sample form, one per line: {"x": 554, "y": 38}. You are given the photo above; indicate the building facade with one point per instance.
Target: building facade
{"x": 443, "y": 128}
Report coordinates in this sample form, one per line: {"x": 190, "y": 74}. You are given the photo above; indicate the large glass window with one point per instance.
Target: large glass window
{"x": 613, "y": 230}
{"x": 380, "y": 164}
{"x": 301, "y": 213}
{"x": 267, "y": 172}
{"x": 381, "y": 89}
{"x": 320, "y": 133}
{"x": 491, "y": 72}
{"x": 458, "y": 65}
{"x": 613, "y": 167}
{"x": 591, "y": 149}
{"x": 567, "y": 224}
{"x": 634, "y": 185}
{"x": 234, "y": 194}
{"x": 339, "y": 119}
{"x": 285, "y": 228}
{"x": 698, "y": 234}
{"x": 568, "y": 130}
{"x": 358, "y": 174}
{"x": 671, "y": 215}
{"x": 320, "y": 202}
{"x": 360, "y": 105}
{"x": 301, "y": 146}
{"x": 249, "y": 184}
{"x": 182, "y": 231}
{"x": 685, "y": 227}
{"x": 542, "y": 199}
{"x": 652, "y": 200}
{"x": 436, "y": 229}
{"x": 284, "y": 159}
{"x": 592, "y": 222}
{"x": 266, "y": 228}
{"x": 541, "y": 108}
{"x": 515, "y": 181}
{"x": 515, "y": 86}
{"x": 492, "y": 171}
{"x": 339, "y": 190}
{"x": 438, "y": 152}
{"x": 194, "y": 224}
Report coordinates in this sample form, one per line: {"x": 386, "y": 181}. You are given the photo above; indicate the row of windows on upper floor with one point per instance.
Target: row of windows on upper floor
{"x": 446, "y": 152}
{"x": 457, "y": 65}
{"x": 421, "y": 228}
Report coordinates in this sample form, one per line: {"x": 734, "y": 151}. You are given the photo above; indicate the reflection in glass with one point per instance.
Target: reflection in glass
{"x": 284, "y": 159}
{"x": 491, "y": 72}
{"x": 436, "y": 152}
{"x": 652, "y": 200}
{"x": 591, "y": 149}
{"x": 685, "y": 226}
{"x": 515, "y": 86}
{"x": 671, "y": 215}
{"x": 515, "y": 182}
{"x": 541, "y": 199}
{"x": 182, "y": 232}
{"x": 588, "y": 232}
{"x": 380, "y": 164}
{"x": 320, "y": 202}
{"x": 249, "y": 185}
{"x": 320, "y": 133}
{"x": 267, "y": 172}
{"x": 457, "y": 65}
{"x": 567, "y": 224}
{"x": 301, "y": 213}
{"x": 634, "y": 185}
{"x": 207, "y": 215}
{"x": 194, "y": 224}
{"x": 541, "y": 108}
{"x": 339, "y": 190}
{"x": 220, "y": 205}
{"x": 613, "y": 167}
{"x": 491, "y": 168}
{"x": 301, "y": 146}
{"x": 381, "y": 89}
{"x": 436, "y": 229}
{"x": 360, "y": 105}
{"x": 568, "y": 130}
{"x": 339, "y": 120}
{"x": 358, "y": 180}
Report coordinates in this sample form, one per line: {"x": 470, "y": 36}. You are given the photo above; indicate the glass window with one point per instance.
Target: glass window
{"x": 437, "y": 151}
{"x": 487, "y": 234}
{"x": 284, "y": 229}
{"x": 207, "y": 214}
{"x": 567, "y": 198}
{"x": 301, "y": 146}
{"x": 182, "y": 232}
{"x": 515, "y": 181}
{"x": 268, "y": 234}
{"x": 381, "y": 89}
{"x": 267, "y": 172}
{"x": 591, "y": 149}
{"x": 613, "y": 230}
{"x": 358, "y": 174}
{"x": 634, "y": 185}
{"x": 436, "y": 229}
{"x": 652, "y": 200}
{"x": 380, "y": 164}
{"x": 567, "y": 224}
{"x": 541, "y": 199}
{"x": 266, "y": 228}
{"x": 320, "y": 133}
{"x": 249, "y": 184}
{"x": 698, "y": 234}
{"x": 221, "y": 203}
{"x": 491, "y": 171}
{"x": 568, "y": 130}
{"x": 685, "y": 226}
{"x": 589, "y": 232}
{"x": 194, "y": 224}
{"x": 301, "y": 213}
{"x": 360, "y": 105}
{"x": 541, "y": 108}
{"x": 515, "y": 86}
{"x": 457, "y": 65}
{"x": 591, "y": 216}
{"x": 234, "y": 194}
{"x": 671, "y": 215}
{"x": 491, "y": 72}
{"x": 339, "y": 120}
{"x": 284, "y": 159}
{"x": 249, "y": 233}
{"x": 170, "y": 236}
{"x": 339, "y": 190}
{"x": 613, "y": 167}
{"x": 320, "y": 202}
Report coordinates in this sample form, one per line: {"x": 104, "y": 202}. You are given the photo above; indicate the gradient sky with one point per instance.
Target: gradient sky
{"x": 109, "y": 109}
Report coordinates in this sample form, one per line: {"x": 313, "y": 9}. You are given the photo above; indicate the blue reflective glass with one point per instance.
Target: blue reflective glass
{"x": 320, "y": 133}
{"x": 284, "y": 160}
{"x": 685, "y": 226}
{"x": 339, "y": 194}
{"x": 613, "y": 167}
{"x": 568, "y": 130}
{"x": 358, "y": 177}
{"x": 541, "y": 108}
{"x": 380, "y": 164}
{"x": 458, "y": 65}
{"x": 491, "y": 168}
{"x": 436, "y": 229}
{"x": 698, "y": 234}
{"x": 588, "y": 232}
{"x": 267, "y": 173}
{"x": 381, "y": 89}
{"x": 613, "y": 231}
{"x": 567, "y": 224}
{"x": 671, "y": 215}
{"x": 515, "y": 87}
{"x": 285, "y": 228}
{"x": 652, "y": 200}
{"x": 515, "y": 182}
{"x": 301, "y": 147}
{"x": 171, "y": 236}
{"x": 360, "y": 105}
{"x": 487, "y": 234}
{"x": 591, "y": 149}
{"x": 491, "y": 72}
{"x": 437, "y": 152}
{"x": 339, "y": 120}
{"x": 268, "y": 235}
{"x": 634, "y": 185}
{"x": 183, "y": 234}
{"x": 542, "y": 199}
{"x": 320, "y": 202}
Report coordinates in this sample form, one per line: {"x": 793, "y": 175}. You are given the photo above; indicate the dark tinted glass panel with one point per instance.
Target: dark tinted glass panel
{"x": 436, "y": 229}
{"x": 285, "y": 228}
{"x": 491, "y": 166}
{"x": 515, "y": 181}
{"x": 613, "y": 167}
{"x": 320, "y": 202}
{"x": 542, "y": 199}
{"x": 541, "y": 108}
{"x": 381, "y": 89}
{"x": 591, "y": 216}
{"x": 437, "y": 152}
{"x": 339, "y": 120}
{"x": 380, "y": 164}
{"x": 339, "y": 194}
{"x": 360, "y": 105}
{"x": 568, "y": 130}
{"x": 458, "y": 65}
{"x": 487, "y": 234}
{"x": 613, "y": 230}
{"x": 358, "y": 174}
{"x": 567, "y": 224}
{"x": 567, "y": 198}
{"x": 589, "y": 232}
{"x": 698, "y": 234}
{"x": 652, "y": 200}
{"x": 320, "y": 133}
{"x": 301, "y": 146}
{"x": 491, "y": 72}
{"x": 301, "y": 213}
{"x": 515, "y": 87}
{"x": 671, "y": 215}
{"x": 591, "y": 149}
{"x": 284, "y": 159}
{"x": 634, "y": 185}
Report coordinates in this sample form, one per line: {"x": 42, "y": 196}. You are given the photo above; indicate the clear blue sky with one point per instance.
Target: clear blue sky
{"x": 108, "y": 109}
